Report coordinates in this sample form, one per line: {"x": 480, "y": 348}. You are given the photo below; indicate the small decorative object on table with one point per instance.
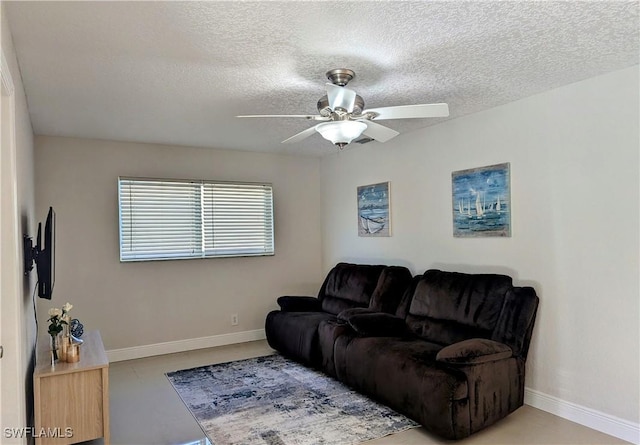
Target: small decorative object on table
{"x": 58, "y": 320}
{"x": 77, "y": 329}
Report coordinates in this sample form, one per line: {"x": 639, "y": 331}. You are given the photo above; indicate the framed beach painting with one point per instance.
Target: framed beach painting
{"x": 482, "y": 201}
{"x": 374, "y": 216}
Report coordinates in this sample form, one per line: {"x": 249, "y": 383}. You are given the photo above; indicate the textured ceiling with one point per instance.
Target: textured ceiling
{"x": 178, "y": 72}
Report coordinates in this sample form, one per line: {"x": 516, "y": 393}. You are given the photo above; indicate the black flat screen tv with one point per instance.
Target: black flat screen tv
{"x": 43, "y": 254}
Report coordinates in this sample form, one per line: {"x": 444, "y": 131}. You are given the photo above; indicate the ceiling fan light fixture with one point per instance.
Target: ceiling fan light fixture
{"x": 341, "y": 133}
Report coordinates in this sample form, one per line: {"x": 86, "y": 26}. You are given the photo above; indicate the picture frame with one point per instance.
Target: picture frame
{"x": 481, "y": 201}
{"x": 374, "y": 210}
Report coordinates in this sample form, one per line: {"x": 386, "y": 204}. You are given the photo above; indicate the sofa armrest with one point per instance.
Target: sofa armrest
{"x": 378, "y": 324}
{"x": 299, "y": 304}
{"x": 474, "y": 351}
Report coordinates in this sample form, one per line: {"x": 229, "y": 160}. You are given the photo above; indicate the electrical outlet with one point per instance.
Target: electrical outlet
{"x": 234, "y": 319}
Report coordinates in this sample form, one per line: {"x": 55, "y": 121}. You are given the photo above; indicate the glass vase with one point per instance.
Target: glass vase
{"x": 63, "y": 348}
{"x": 55, "y": 348}
{"x": 64, "y": 344}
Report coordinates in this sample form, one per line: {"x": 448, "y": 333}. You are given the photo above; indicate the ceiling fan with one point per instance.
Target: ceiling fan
{"x": 344, "y": 118}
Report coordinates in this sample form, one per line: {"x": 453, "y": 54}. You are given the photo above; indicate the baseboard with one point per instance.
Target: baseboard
{"x": 605, "y": 423}
{"x": 170, "y": 347}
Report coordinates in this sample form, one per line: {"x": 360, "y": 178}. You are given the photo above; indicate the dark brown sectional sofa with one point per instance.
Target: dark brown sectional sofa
{"x": 446, "y": 349}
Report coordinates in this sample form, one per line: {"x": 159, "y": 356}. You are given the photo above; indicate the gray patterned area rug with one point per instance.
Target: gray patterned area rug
{"x": 274, "y": 401}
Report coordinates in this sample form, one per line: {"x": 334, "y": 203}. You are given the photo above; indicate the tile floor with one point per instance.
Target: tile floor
{"x": 145, "y": 409}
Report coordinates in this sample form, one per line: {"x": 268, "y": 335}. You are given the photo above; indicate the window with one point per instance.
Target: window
{"x": 163, "y": 219}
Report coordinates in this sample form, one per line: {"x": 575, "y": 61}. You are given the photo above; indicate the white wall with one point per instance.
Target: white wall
{"x": 23, "y": 184}
{"x": 144, "y": 303}
{"x": 575, "y": 192}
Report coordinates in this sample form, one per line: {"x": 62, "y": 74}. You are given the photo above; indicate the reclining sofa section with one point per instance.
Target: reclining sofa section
{"x": 293, "y": 330}
{"x": 450, "y": 353}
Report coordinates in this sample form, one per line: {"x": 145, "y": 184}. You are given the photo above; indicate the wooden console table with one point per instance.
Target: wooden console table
{"x": 72, "y": 399}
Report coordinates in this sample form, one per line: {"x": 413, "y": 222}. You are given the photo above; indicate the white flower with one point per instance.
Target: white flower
{"x": 55, "y": 312}
{"x": 67, "y": 307}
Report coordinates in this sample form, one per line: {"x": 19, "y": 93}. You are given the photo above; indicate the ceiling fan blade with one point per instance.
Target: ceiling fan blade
{"x": 300, "y": 136}
{"x": 410, "y": 111}
{"x": 340, "y": 97}
{"x": 378, "y": 132}
{"x": 315, "y": 117}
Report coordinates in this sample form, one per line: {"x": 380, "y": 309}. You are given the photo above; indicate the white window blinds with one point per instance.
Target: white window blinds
{"x": 169, "y": 219}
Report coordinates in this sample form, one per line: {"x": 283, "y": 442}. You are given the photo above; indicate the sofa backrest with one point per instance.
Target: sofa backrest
{"x": 378, "y": 288}
{"x": 448, "y": 307}
{"x": 348, "y": 286}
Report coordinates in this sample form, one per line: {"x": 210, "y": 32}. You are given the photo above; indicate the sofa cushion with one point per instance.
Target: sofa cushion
{"x": 406, "y": 356}
{"x": 295, "y": 334}
{"x": 443, "y": 332}
{"x": 349, "y": 285}
{"x": 466, "y": 303}
{"x": 473, "y": 300}
{"x": 334, "y": 305}
{"x": 474, "y": 351}
{"x": 378, "y": 324}
{"x": 403, "y": 374}
{"x": 348, "y": 313}
{"x": 391, "y": 286}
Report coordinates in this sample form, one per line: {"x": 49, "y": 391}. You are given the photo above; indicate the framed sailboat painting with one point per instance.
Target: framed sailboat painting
{"x": 374, "y": 217}
{"x": 482, "y": 201}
